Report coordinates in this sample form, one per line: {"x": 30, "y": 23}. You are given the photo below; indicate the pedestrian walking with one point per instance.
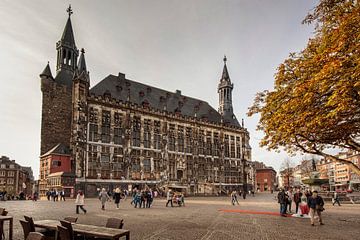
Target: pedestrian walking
{"x": 80, "y": 202}
{"x": 62, "y": 195}
{"x": 117, "y": 197}
{"x": 149, "y": 198}
{"x": 336, "y": 199}
{"x": 137, "y": 198}
{"x": 169, "y": 197}
{"x": 234, "y": 198}
{"x": 316, "y": 205}
{"x": 282, "y": 201}
{"x": 182, "y": 199}
{"x": 48, "y": 194}
{"x": 103, "y": 197}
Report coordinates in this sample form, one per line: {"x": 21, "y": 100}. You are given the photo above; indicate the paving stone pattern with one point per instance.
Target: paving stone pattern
{"x": 200, "y": 219}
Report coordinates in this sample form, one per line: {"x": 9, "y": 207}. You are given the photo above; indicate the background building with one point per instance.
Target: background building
{"x": 15, "y": 178}
{"x": 125, "y": 133}
{"x": 265, "y": 179}
{"x": 56, "y": 160}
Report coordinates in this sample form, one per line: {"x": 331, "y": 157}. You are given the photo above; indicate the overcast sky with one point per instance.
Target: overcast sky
{"x": 164, "y": 43}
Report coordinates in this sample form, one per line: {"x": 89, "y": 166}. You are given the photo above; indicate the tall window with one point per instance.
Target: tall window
{"x": 226, "y": 150}
{"x": 189, "y": 142}
{"x": 105, "y": 128}
{"x": 135, "y": 165}
{"x": 216, "y": 144}
{"x": 238, "y": 151}
{"x": 232, "y": 147}
{"x": 180, "y": 139}
{"x": 147, "y": 133}
{"x": 136, "y": 132}
{"x": 118, "y": 119}
{"x": 171, "y": 137}
{"x": 118, "y": 136}
{"x": 93, "y": 132}
{"x": 201, "y": 142}
{"x": 208, "y": 143}
{"x": 147, "y": 165}
{"x": 157, "y": 136}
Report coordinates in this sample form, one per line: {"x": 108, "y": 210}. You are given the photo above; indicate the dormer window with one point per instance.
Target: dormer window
{"x": 119, "y": 88}
{"x": 145, "y": 104}
{"x": 107, "y": 94}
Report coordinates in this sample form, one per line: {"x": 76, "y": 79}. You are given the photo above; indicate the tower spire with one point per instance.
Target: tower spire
{"x": 69, "y": 10}
{"x": 225, "y": 88}
{"x": 67, "y": 53}
{"x": 225, "y": 74}
{"x": 46, "y": 72}
{"x": 82, "y": 62}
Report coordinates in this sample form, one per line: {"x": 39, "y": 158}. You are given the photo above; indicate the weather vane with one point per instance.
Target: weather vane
{"x": 225, "y": 59}
{"x": 69, "y": 10}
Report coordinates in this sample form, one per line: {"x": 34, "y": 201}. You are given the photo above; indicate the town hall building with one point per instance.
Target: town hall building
{"x": 122, "y": 132}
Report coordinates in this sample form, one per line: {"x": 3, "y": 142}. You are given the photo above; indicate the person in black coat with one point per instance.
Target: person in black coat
{"x": 117, "y": 197}
{"x": 282, "y": 200}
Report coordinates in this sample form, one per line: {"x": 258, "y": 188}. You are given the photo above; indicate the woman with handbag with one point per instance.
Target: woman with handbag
{"x": 316, "y": 205}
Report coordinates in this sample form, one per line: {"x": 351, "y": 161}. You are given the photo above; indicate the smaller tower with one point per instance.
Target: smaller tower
{"x": 80, "y": 92}
{"x": 225, "y": 88}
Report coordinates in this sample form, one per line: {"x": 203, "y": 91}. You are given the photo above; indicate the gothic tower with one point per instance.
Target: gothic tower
{"x": 57, "y": 92}
{"x": 225, "y": 88}
{"x": 80, "y": 92}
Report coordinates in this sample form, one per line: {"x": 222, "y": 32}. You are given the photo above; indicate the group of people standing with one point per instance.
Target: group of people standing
{"x": 306, "y": 203}
{"x": 140, "y": 198}
{"x": 143, "y": 198}
{"x": 178, "y": 198}
{"x": 55, "y": 194}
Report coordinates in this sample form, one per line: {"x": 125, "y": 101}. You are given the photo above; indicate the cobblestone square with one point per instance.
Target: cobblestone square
{"x": 199, "y": 219}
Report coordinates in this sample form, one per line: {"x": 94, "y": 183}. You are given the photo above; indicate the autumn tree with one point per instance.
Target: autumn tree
{"x": 315, "y": 103}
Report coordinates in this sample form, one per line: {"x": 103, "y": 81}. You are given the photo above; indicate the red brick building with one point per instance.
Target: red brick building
{"x": 57, "y": 160}
{"x": 265, "y": 179}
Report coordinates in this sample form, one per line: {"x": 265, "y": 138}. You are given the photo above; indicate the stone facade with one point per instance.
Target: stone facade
{"x": 56, "y": 114}
{"x": 125, "y": 133}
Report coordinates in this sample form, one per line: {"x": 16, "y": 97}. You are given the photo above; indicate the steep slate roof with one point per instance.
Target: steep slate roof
{"x": 118, "y": 87}
{"x": 58, "y": 149}
{"x": 82, "y": 62}
{"x": 47, "y": 72}
{"x": 68, "y": 34}
{"x": 64, "y": 77}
